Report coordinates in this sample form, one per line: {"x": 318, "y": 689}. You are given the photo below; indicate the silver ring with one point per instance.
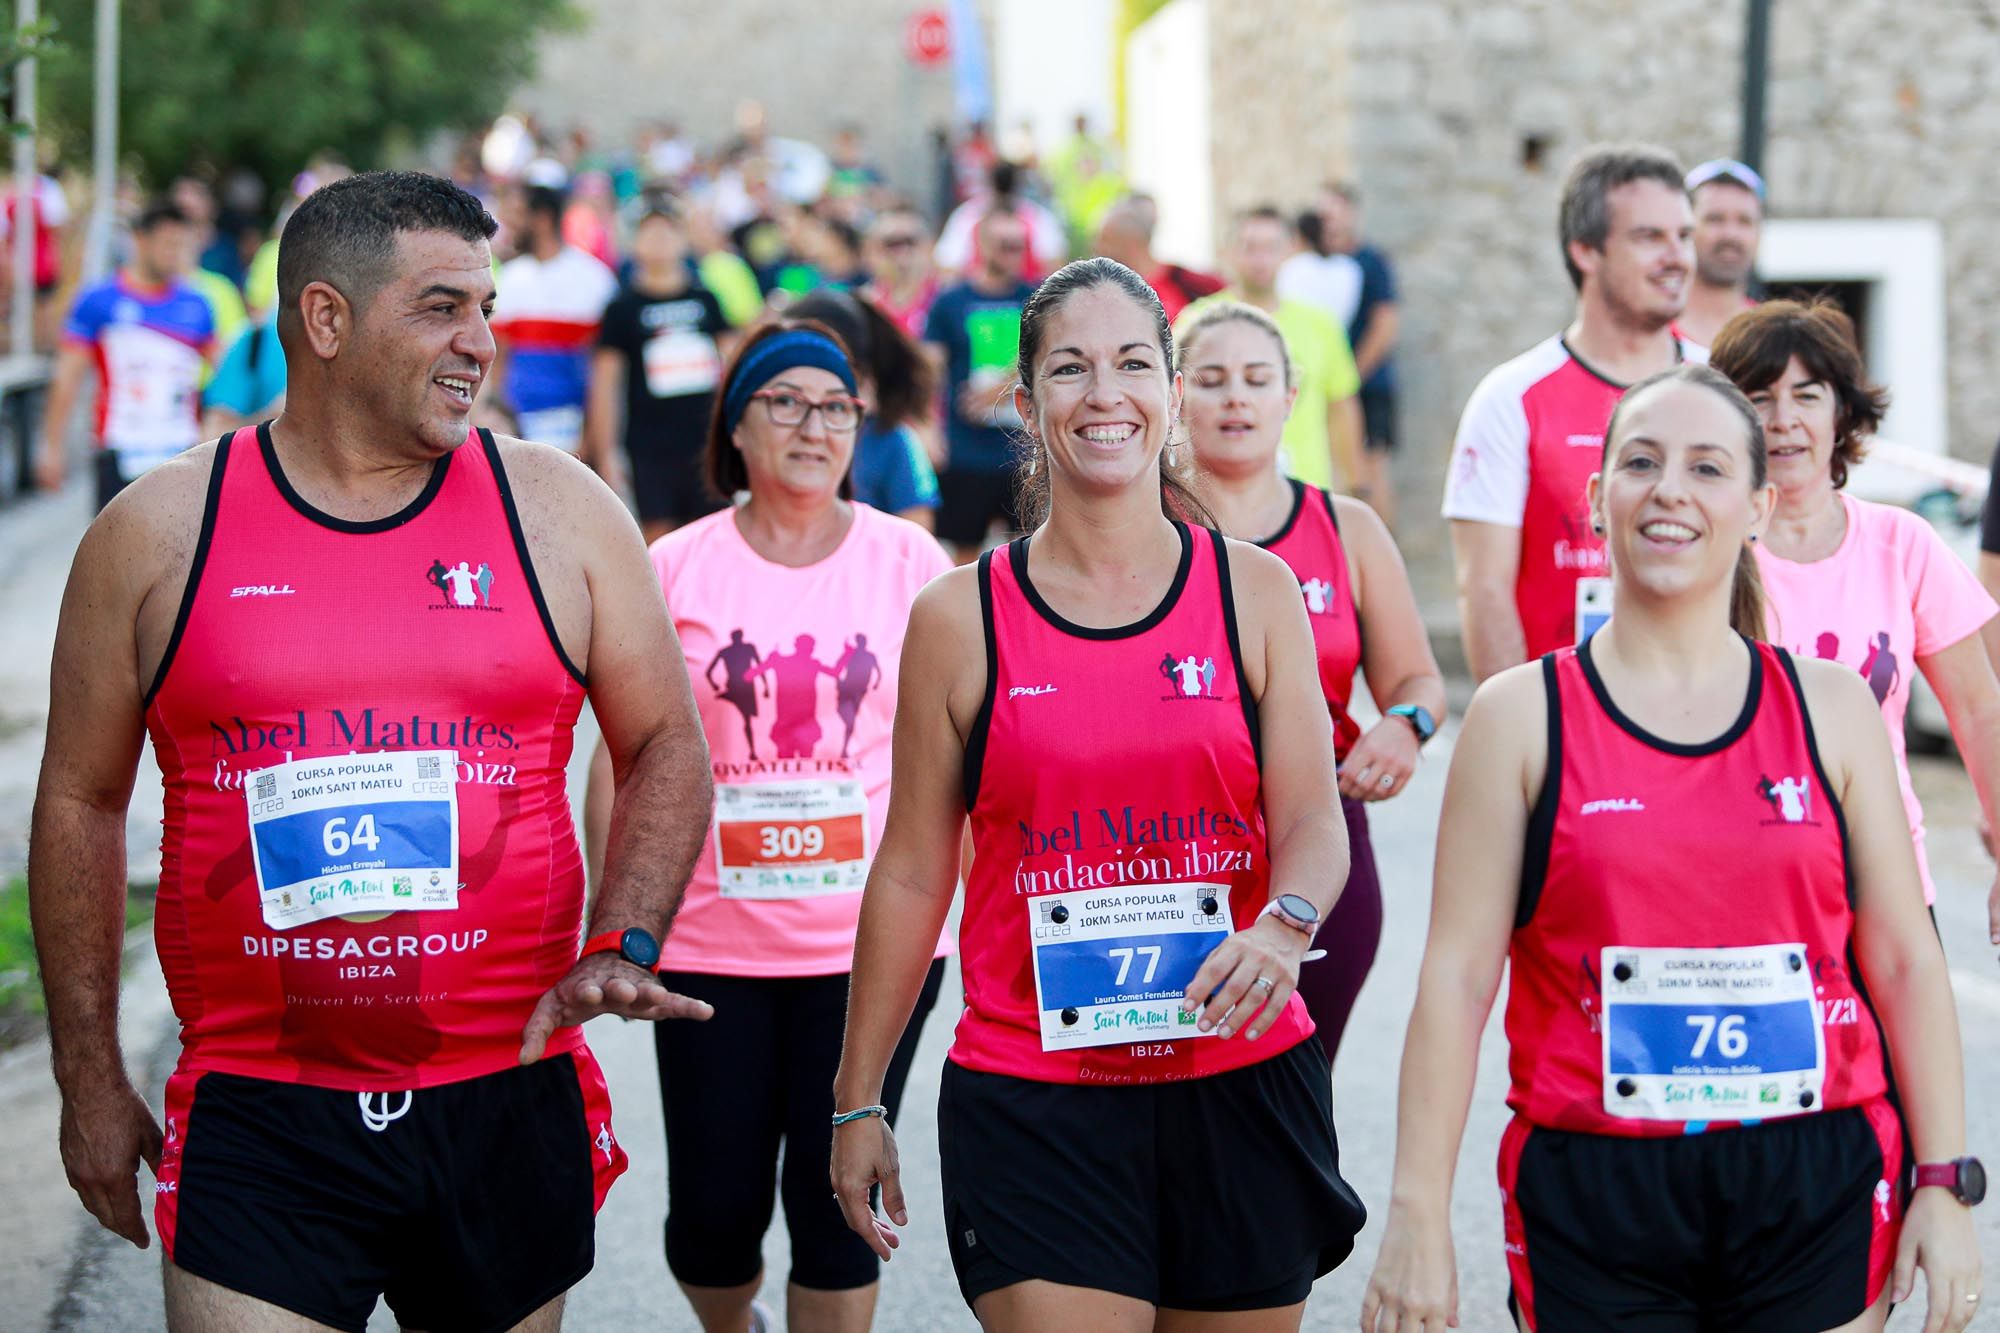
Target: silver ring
{"x": 1266, "y": 983}
{"x": 1972, "y": 1296}
{"x": 1388, "y": 781}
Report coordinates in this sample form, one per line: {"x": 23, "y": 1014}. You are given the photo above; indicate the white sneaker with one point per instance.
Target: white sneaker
{"x": 760, "y": 1317}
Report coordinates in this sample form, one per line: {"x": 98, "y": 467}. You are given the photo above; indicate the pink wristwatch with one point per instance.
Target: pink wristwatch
{"x": 1965, "y": 1177}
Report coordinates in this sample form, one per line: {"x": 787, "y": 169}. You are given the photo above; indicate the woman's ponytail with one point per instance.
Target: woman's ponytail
{"x": 1746, "y": 597}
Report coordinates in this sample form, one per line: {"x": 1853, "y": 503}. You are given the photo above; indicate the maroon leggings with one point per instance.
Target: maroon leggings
{"x": 1352, "y": 931}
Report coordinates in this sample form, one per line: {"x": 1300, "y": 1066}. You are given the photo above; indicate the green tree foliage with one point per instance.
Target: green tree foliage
{"x": 267, "y": 83}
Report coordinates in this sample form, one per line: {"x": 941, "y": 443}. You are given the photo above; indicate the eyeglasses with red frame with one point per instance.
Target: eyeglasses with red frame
{"x": 839, "y": 414}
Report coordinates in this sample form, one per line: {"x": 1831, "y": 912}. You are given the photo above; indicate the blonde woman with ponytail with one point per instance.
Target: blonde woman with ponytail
{"x": 1687, "y": 847}
{"x": 1239, "y": 390}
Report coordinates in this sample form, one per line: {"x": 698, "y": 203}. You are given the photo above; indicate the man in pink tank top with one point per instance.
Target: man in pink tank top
{"x": 359, "y": 638}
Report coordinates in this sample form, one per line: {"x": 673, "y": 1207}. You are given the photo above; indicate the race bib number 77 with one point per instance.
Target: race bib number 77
{"x": 1112, "y": 965}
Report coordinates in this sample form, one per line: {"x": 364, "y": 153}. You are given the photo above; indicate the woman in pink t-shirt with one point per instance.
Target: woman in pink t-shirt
{"x": 1866, "y": 584}
{"x": 790, "y": 609}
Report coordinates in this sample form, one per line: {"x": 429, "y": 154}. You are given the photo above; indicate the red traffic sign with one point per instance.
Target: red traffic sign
{"x": 927, "y": 37}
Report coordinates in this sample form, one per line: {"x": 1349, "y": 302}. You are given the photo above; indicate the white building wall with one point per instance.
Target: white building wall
{"x": 1053, "y": 60}
{"x": 1168, "y": 121}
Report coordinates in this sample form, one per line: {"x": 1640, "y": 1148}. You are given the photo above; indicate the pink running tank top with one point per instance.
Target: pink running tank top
{"x": 303, "y": 637}
{"x": 1309, "y": 543}
{"x": 1114, "y": 782}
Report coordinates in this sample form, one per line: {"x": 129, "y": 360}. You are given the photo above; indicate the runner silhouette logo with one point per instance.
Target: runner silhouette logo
{"x": 465, "y": 586}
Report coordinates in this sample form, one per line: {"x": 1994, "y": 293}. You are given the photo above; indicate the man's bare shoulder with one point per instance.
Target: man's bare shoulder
{"x": 546, "y": 478}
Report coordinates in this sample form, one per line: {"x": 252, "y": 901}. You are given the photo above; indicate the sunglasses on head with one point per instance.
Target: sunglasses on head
{"x": 1726, "y": 169}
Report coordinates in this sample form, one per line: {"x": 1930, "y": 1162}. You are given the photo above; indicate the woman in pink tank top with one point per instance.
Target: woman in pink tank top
{"x": 790, "y": 609}
{"x": 1134, "y": 1116}
{"x": 1240, "y": 389}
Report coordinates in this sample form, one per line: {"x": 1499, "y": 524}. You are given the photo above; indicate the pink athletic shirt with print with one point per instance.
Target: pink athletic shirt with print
{"x": 794, "y": 672}
{"x": 1891, "y": 594}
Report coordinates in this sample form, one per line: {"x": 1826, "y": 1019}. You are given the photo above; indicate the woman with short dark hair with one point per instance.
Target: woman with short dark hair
{"x": 1867, "y": 584}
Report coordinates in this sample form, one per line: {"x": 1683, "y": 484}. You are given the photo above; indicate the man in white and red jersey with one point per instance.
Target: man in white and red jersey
{"x": 1531, "y": 573}
{"x": 358, "y": 637}
{"x": 146, "y": 335}
{"x": 552, "y": 300}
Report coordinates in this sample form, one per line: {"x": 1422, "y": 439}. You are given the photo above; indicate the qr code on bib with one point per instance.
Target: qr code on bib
{"x": 267, "y": 786}
{"x": 427, "y": 767}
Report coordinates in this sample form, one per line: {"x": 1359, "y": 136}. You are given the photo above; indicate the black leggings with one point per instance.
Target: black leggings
{"x": 759, "y": 1072}
{"x": 1352, "y": 932}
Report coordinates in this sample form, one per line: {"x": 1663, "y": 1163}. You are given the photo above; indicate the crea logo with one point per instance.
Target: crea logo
{"x": 463, "y": 586}
{"x": 1319, "y": 596}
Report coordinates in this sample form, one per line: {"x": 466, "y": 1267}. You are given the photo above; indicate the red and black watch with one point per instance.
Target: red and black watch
{"x": 1965, "y": 1177}
{"x": 635, "y": 946}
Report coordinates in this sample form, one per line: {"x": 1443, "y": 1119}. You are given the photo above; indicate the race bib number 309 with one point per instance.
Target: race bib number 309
{"x": 791, "y": 839}
{"x": 355, "y": 833}
{"x": 1711, "y": 1034}
{"x": 1112, "y": 965}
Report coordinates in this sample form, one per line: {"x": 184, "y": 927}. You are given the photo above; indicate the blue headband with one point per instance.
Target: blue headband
{"x": 793, "y": 347}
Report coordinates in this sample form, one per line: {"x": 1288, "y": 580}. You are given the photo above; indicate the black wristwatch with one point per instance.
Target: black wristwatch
{"x": 1419, "y": 718}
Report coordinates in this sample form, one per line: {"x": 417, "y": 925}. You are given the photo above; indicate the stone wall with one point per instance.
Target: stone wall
{"x": 1460, "y": 117}
{"x": 643, "y": 60}
{"x": 1281, "y": 119}
{"x": 1880, "y": 109}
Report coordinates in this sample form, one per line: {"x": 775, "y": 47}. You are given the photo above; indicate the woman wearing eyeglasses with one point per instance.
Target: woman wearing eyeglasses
{"x": 791, "y": 607}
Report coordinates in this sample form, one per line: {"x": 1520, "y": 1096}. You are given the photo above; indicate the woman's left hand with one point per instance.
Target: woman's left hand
{"x": 1938, "y": 1237}
{"x": 1381, "y": 762}
{"x": 1248, "y": 978}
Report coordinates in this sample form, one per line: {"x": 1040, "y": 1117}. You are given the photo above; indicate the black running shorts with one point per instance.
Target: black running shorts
{"x": 1218, "y": 1193}
{"x": 1785, "y": 1227}
{"x": 970, "y": 501}
{"x": 468, "y": 1206}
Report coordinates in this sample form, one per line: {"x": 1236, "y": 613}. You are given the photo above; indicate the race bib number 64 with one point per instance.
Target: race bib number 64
{"x": 355, "y": 833}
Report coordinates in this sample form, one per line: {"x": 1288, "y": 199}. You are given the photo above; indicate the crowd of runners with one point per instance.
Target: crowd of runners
{"x": 773, "y": 466}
